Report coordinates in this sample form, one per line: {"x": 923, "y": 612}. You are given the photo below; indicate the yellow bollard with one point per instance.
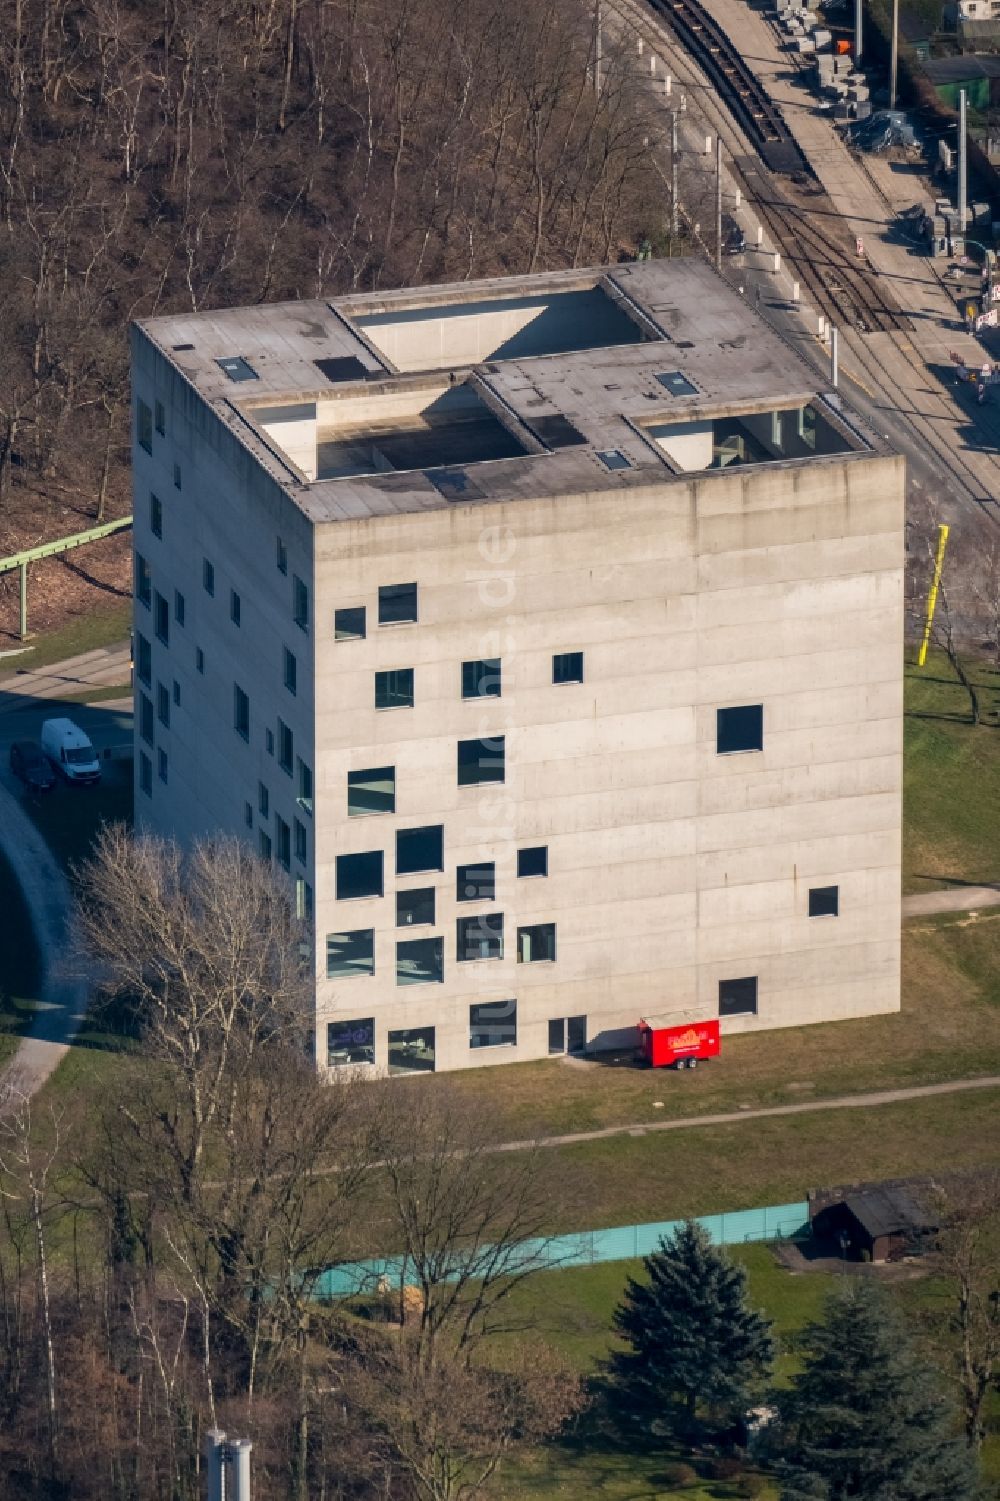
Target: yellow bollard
{"x": 932, "y": 597}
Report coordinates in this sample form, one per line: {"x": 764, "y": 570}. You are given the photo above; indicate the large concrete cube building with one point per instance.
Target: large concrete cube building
{"x": 548, "y": 632}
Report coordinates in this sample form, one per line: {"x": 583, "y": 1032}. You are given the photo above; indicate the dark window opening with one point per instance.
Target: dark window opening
{"x": 349, "y": 625}
{"x": 677, "y": 384}
{"x": 342, "y": 367}
{"x": 419, "y": 849}
{"x": 199, "y": 660}
{"x": 397, "y": 604}
{"x": 481, "y": 679}
{"x": 300, "y": 603}
{"x": 493, "y": 1024}
{"x": 163, "y": 704}
{"x": 305, "y": 797}
{"x": 144, "y": 434}
{"x": 160, "y": 418}
{"x": 283, "y": 840}
{"x": 301, "y": 846}
{"x": 536, "y": 944}
{"x": 350, "y": 953}
{"x": 281, "y": 555}
{"x": 394, "y": 690}
{"x": 613, "y": 458}
{"x": 415, "y": 908}
{"x": 208, "y": 576}
{"x": 567, "y": 667}
{"x": 476, "y": 883}
{"x": 161, "y": 764}
{"x": 738, "y": 997}
{"x": 143, "y": 582}
{"x": 420, "y": 961}
{"x": 143, "y": 659}
{"x": 350, "y": 1042}
{"x": 411, "y": 1050}
{"x": 161, "y": 619}
{"x": 263, "y": 800}
{"x": 178, "y": 607}
{"x": 156, "y": 516}
{"x": 146, "y": 718}
{"x": 264, "y": 845}
{"x": 533, "y": 861}
{"x": 359, "y": 875}
{"x": 241, "y": 712}
{"x": 235, "y": 607}
{"x": 286, "y": 747}
{"x": 824, "y": 901}
{"x": 739, "y": 729}
{"x": 480, "y": 761}
{"x": 371, "y": 791}
{"x": 248, "y": 815}
{"x": 557, "y": 1035}
{"x": 291, "y": 671}
{"x": 236, "y": 368}
{"x": 479, "y": 937}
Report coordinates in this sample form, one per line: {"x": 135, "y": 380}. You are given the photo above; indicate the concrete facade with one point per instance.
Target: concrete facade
{"x": 672, "y": 869}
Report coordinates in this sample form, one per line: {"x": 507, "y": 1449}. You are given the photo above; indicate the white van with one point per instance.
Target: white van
{"x": 69, "y": 751}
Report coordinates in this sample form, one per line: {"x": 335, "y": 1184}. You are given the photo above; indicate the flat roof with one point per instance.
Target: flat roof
{"x": 582, "y": 373}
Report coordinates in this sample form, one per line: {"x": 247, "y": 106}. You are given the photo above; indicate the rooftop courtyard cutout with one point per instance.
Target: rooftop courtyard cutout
{"x": 768, "y": 437}
{"x": 451, "y": 336}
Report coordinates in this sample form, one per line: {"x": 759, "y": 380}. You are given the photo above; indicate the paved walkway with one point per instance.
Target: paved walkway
{"x": 63, "y": 996}
{"x": 105, "y": 667}
{"x": 733, "y": 1117}
{"x": 951, "y": 899}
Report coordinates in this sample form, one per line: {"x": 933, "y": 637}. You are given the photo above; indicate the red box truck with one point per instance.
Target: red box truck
{"x": 677, "y": 1040}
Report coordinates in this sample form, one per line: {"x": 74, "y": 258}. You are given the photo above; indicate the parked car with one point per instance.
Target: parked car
{"x": 69, "y": 751}
{"x": 30, "y": 766}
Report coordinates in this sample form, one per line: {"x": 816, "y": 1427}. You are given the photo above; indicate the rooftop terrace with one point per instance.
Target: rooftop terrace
{"x": 496, "y": 390}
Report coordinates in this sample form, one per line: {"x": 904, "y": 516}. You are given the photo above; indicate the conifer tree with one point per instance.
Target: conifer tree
{"x": 697, "y": 1352}
{"x": 866, "y": 1418}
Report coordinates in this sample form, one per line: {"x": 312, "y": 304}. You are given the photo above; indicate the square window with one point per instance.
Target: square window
{"x": 143, "y": 659}
{"x": 161, "y": 764}
{"x": 537, "y": 944}
{"x": 480, "y": 761}
{"x": 739, "y": 729}
{"x": 567, "y": 667}
{"x": 481, "y": 679}
{"x": 143, "y": 582}
{"x": 420, "y": 961}
{"x": 371, "y": 791}
{"x": 359, "y": 875}
{"x": 263, "y": 800}
{"x": 824, "y": 901}
{"x": 350, "y": 953}
{"x": 264, "y": 845}
{"x": 419, "y": 849}
{"x": 199, "y": 660}
{"x": 493, "y": 1024}
{"x": 146, "y": 718}
{"x": 301, "y": 845}
{"x": 235, "y": 607}
{"x": 286, "y": 747}
{"x": 394, "y": 690}
{"x": 677, "y": 384}
{"x": 159, "y": 418}
{"x": 300, "y": 603}
{"x": 144, "y": 437}
{"x": 248, "y": 815}
{"x": 415, "y": 908}
{"x": 397, "y": 604}
{"x": 156, "y": 516}
{"x": 208, "y": 576}
{"x": 533, "y": 861}
{"x": 177, "y": 476}
{"x": 305, "y": 797}
{"x": 241, "y": 712}
{"x": 349, "y": 625}
{"x": 479, "y": 937}
{"x": 163, "y": 704}
{"x": 145, "y": 774}
{"x": 291, "y": 671}
{"x": 411, "y": 1050}
{"x": 476, "y": 883}
{"x": 738, "y": 997}
{"x": 178, "y": 607}
{"x": 177, "y": 694}
{"x": 350, "y": 1042}
{"x": 283, "y": 842}
{"x": 161, "y": 619}
{"x": 281, "y": 555}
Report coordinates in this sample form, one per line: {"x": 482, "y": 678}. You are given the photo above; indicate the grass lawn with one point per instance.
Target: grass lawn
{"x": 82, "y": 634}
{"x": 951, "y": 780}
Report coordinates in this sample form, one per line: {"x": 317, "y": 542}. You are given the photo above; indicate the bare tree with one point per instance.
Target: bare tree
{"x": 967, "y": 1257}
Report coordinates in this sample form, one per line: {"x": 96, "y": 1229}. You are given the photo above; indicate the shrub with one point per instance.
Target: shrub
{"x": 725, "y": 1467}
{"x": 751, "y": 1486}
{"x": 678, "y": 1476}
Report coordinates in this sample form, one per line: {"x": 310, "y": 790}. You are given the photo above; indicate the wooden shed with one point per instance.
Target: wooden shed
{"x": 879, "y": 1223}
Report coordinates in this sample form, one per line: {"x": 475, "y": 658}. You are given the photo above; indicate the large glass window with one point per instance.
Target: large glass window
{"x": 415, "y": 908}
{"x": 394, "y": 690}
{"x": 480, "y": 937}
{"x": 738, "y": 997}
{"x": 476, "y": 883}
{"x": 481, "y": 679}
{"x": 493, "y": 1024}
{"x": 397, "y": 604}
{"x": 419, "y": 849}
{"x": 359, "y": 875}
{"x": 411, "y": 1050}
{"x": 533, "y": 861}
{"x": 241, "y": 712}
{"x": 420, "y": 961}
{"x": 536, "y": 944}
{"x": 739, "y": 729}
{"x": 480, "y": 761}
{"x": 350, "y": 953}
{"x": 349, "y": 625}
{"x": 350, "y": 1042}
{"x": 371, "y": 791}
